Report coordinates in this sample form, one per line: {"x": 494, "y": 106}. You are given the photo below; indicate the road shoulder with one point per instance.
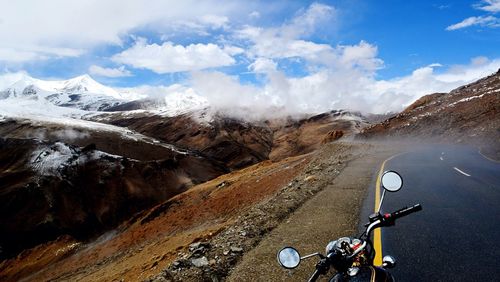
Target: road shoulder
{"x": 332, "y": 213}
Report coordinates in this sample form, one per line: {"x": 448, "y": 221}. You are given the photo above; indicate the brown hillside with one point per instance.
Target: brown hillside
{"x": 469, "y": 114}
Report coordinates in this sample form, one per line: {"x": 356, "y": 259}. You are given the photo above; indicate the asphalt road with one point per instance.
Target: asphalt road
{"x": 456, "y": 237}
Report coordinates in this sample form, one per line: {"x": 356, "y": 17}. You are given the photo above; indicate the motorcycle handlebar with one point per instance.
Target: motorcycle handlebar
{"x": 315, "y": 276}
{"x": 378, "y": 221}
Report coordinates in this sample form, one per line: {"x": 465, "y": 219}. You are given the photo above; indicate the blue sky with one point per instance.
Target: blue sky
{"x": 411, "y": 34}
{"x": 365, "y": 49}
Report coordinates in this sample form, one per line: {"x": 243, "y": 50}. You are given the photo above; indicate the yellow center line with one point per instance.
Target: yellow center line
{"x": 377, "y": 233}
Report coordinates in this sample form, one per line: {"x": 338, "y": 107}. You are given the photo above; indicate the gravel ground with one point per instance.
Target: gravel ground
{"x": 332, "y": 213}
{"x": 321, "y": 204}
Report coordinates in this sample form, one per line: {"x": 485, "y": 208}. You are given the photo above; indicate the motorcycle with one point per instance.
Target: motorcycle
{"x": 352, "y": 257}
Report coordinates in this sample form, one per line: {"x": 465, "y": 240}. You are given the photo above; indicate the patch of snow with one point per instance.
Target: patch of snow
{"x": 467, "y": 99}
{"x": 49, "y": 160}
{"x": 348, "y": 117}
{"x": 85, "y": 84}
{"x": 179, "y": 103}
{"x": 99, "y": 154}
{"x": 25, "y": 111}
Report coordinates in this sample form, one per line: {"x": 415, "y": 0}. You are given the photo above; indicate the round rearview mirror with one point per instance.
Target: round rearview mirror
{"x": 289, "y": 257}
{"x": 391, "y": 181}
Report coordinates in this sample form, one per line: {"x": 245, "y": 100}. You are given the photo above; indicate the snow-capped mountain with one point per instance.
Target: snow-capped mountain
{"x": 84, "y": 93}
{"x": 81, "y": 92}
{"x": 171, "y": 105}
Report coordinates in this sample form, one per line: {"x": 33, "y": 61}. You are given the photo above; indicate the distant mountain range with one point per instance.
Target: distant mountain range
{"x": 78, "y": 158}
{"x": 92, "y": 155}
{"x": 469, "y": 114}
{"x": 84, "y": 93}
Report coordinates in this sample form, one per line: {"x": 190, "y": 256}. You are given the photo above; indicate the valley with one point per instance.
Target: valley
{"x": 107, "y": 186}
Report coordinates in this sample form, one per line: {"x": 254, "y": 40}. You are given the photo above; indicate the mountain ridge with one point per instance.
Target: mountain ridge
{"x": 469, "y": 114}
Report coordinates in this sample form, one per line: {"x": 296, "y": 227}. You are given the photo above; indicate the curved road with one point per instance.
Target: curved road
{"x": 456, "y": 237}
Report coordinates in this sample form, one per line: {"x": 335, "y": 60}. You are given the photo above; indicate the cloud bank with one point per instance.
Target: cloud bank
{"x": 321, "y": 91}
{"x": 170, "y": 58}
{"x": 225, "y": 55}
{"x": 40, "y": 30}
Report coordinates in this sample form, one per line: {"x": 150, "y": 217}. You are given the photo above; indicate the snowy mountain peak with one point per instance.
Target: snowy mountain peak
{"x": 81, "y": 92}
{"x": 86, "y": 84}
{"x": 84, "y": 93}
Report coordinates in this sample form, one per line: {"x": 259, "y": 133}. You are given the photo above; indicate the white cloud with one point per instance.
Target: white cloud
{"x": 306, "y": 22}
{"x": 484, "y": 21}
{"x": 479, "y": 61}
{"x": 425, "y": 81}
{"x": 263, "y": 65}
{"x": 109, "y": 72}
{"x": 363, "y": 55}
{"x": 215, "y": 21}
{"x": 170, "y": 58}
{"x": 254, "y": 15}
{"x": 158, "y": 91}
{"x": 69, "y": 28}
{"x": 35, "y": 53}
{"x": 435, "y": 65}
{"x": 19, "y": 56}
{"x": 329, "y": 89}
{"x": 288, "y": 40}
{"x": 9, "y": 78}
{"x": 233, "y": 50}
{"x": 489, "y": 6}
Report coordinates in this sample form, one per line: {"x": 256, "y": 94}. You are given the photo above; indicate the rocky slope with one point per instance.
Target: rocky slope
{"x": 99, "y": 170}
{"x": 71, "y": 173}
{"x": 239, "y": 143}
{"x": 215, "y": 221}
{"x": 51, "y": 189}
{"x": 469, "y": 114}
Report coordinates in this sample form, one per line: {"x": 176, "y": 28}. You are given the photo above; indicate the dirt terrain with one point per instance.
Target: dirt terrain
{"x": 53, "y": 189}
{"x": 238, "y": 143}
{"x": 151, "y": 239}
{"x": 201, "y": 233}
{"x": 101, "y": 175}
{"x": 331, "y": 214}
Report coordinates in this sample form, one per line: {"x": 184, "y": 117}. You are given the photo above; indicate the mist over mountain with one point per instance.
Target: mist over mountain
{"x": 466, "y": 115}
{"x": 76, "y": 155}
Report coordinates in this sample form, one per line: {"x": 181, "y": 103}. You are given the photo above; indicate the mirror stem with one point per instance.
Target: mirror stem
{"x": 311, "y": 255}
{"x": 381, "y": 200}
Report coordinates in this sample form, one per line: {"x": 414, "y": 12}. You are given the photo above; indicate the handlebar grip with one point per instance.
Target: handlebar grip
{"x": 405, "y": 211}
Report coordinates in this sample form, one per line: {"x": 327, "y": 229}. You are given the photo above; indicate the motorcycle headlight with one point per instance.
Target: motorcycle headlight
{"x": 337, "y": 244}
{"x": 331, "y": 246}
